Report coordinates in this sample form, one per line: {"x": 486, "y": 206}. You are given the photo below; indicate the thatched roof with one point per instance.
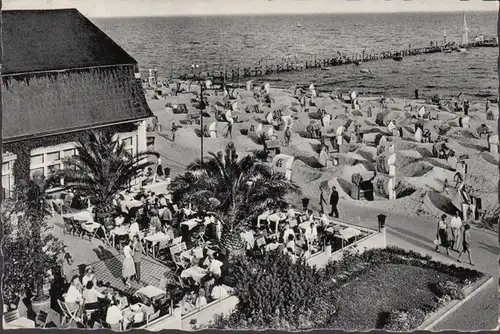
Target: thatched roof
{"x": 47, "y": 40}
{"x": 62, "y": 74}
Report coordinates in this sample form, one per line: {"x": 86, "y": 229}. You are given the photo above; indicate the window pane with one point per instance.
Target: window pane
{"x": 69, "y": 153}
{"x": 6, "y": 183}
{"x": 53, "y": 168}
{"x": 127, "y": 141}
{"x": 37, "y": 171}
{"x": 54, "y": 156}
{"x": 5, "y": 167}
{"x": 37, "y": 159}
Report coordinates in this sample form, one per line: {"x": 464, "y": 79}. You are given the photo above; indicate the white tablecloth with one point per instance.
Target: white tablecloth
{"x": 119, "y": 231}
{"x": 150, "y": 291}
{"x": 91, "y": 227}
{"x": 276, "y": 217}
{"x": 191, "y": 223}
{"x": 197, "y": 273}
{"x": 134, "y": 203}
{"x": 160, "y": 236}
{"x": 349, "y": 233}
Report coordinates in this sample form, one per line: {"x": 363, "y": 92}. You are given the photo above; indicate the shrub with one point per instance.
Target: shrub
{"x": 404, "y": 321}
{"x": 274, "y": 292}
{"x": 451, "y": 289}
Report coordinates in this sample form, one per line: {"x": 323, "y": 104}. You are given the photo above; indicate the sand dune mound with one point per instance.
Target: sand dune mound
{"x": 439, "y": 204}
{"x": 490, "y": 158}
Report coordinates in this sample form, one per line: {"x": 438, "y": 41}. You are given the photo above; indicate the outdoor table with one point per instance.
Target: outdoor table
{"x": 276, "y": 218}
{"x": 91, "y": 227}
{"x": 134, "y": 203}
{"x": 195, "y": 272}
{"x": 83, "y": 216}
{"x": 348, "y": 233}
{"x": 150, "y": 293}
{"x": 118, "y": 231}
{"x": 154, "y": 239}
{"x": 188, "y": 212}
{"x": 21, "y": 322}
{"x": 192, "y": 253}
{"x": 191, "y": 223}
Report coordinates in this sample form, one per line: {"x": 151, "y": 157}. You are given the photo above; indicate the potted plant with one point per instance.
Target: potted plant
{"x": 30, "y": 252}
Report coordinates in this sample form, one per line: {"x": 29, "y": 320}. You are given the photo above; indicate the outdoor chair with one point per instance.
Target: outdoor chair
{"x": 152, "y": 317}
{"x": 179, "y": 263}
{"x": 176, "y": 241}
{"x": 162, "y": 248}
{"x": 107, "y": 237}
{"x": 11, "y": 316}
{"x": 41, "y": 319}
{"x": 67, "y": 315}
{"x": 68, "y": 226}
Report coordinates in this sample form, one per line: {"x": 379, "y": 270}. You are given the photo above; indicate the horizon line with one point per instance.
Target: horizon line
{"x": 288, "y": 14}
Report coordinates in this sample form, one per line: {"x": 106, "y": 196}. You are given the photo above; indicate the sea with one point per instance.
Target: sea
{"x": 173, "y": 44}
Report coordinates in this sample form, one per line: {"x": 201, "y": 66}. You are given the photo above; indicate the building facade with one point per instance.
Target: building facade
{"x": 62, "y": 76}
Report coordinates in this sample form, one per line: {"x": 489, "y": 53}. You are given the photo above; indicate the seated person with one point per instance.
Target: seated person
{"x": 215, "y": 266}
{"x": 307, "y": 253}
{"x": 288, "y": 231}
{"x": 301, "y": 242}
{"x": 188, "y": 302}
{"x": 272, "y": 245}
{"x": 89, "y": 276}
{"x": 121, "y": 300}
{"x": 73, "y": 297}
{"x": 201, "y": 299}
{"x": 208, "y": 282}
{"x": 164, "y": 280}
{"x": 91, "y": 295}
{"x": 119, "y": 219}
{"x": 114, "y": 316}
{"x": 290, "y": 245}
{"x": 110, "y": 293}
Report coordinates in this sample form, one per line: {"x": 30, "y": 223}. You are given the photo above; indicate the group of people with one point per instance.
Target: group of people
{"x": 452, "y": 234}
{"x": 92, "y": 301}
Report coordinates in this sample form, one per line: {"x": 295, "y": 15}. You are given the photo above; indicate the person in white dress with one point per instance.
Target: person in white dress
{"x": 128, "y": 269}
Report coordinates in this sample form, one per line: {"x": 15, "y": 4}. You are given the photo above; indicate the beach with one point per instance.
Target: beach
{"x": 418, "y": 170}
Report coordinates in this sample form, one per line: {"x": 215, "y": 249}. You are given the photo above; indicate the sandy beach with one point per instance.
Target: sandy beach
{"x": 421, "y": 176}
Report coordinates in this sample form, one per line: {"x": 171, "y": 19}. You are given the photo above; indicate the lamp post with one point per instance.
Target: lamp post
{"x": 200, "y": 81}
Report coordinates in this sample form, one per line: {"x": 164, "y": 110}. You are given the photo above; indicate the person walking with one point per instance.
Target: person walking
{"x": 442, "y": 235}
{"x": 174, "y": 130}
{"x": 229, "y": 132}
{"x": 455, "y": 225}
{"x": 288, "y": 136}
{"x": 138, "y": 248}
{"x": 465, "y": 244}
{"x": 334, "y": 201}
{"x": 128, "y": 268}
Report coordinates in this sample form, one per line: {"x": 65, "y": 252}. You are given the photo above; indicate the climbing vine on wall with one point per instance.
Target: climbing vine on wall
{"x": 22, "y": 149}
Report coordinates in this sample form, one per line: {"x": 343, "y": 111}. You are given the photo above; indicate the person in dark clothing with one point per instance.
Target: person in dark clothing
{"x": 466, "y": 107}
{"x": 334, "y": 201}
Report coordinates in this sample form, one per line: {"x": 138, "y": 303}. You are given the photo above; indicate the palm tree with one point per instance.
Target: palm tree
{"x": 102, "y": 168}
{"x": 234, "y": 190}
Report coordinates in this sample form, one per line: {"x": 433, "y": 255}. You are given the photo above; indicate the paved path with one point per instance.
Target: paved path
{"x": 417, "y": 234}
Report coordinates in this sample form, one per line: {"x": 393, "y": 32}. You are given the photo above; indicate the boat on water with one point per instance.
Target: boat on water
{"x": 299, "y": 25}
{"x": 325, "y": 68}
{"x": 465, "y": 35}
{"x": 398, "y": 56}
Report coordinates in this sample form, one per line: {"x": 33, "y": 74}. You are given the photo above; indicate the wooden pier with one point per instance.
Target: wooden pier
{"x": 266, "y": 68}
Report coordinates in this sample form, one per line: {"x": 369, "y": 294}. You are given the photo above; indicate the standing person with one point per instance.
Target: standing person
{"x": 137, "y": 257}
{"x": 229, "y": 132}
{"x": 174, "y": 130}
{"x": 334, "y": 201}
{"x": 465, "y": 243}
{"x": 442, "y": 235}
{"x": 166, "y": 217}
{"x": 487, "y": 105}
{"x": 322, "y": 201}
{"x": 456, "y": 225}
{"x": 288, "y": 136}
{"x": 128, "y": 269}
{"x": 466, "y": 107}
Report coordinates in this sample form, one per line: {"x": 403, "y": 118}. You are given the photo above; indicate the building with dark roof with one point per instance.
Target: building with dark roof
{"x": 62, "y": 76}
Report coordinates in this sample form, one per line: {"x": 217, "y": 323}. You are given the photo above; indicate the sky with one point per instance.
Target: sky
{"x": 120, "y": 8}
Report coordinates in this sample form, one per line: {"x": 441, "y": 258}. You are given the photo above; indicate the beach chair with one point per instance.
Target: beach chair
{"x": 67, "y": 315}
{"x": 11, "y": 316}
{"x": 41, "y": 319}
{"x": 176, "y": 241}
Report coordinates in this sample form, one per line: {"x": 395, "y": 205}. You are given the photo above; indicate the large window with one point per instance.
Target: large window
{"x": 7, "y": 174}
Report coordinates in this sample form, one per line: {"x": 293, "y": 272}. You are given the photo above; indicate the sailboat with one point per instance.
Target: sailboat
{"x": 447, "y": 49}
{"x": 465, "y": 35}
{"x": 355, "y": 57}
